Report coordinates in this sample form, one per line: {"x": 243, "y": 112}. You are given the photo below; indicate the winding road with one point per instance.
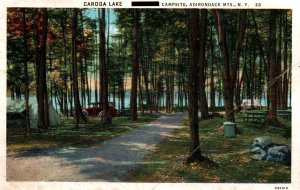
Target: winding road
{"x": 109, "y": 161}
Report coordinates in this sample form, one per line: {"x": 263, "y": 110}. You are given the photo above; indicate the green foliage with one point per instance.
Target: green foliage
{"x": 234, "y": 164}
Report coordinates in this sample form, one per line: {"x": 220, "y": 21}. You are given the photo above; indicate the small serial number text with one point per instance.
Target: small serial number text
{"x": 281, "y": 188}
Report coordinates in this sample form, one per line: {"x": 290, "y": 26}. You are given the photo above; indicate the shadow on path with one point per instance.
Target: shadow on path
{"x": 110, "y": 160}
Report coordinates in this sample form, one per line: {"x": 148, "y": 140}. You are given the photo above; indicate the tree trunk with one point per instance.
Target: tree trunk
{"x": 278, "y": 62}
{"x": 194, "y": 49}
{"x": 272, "y": 110}
{"x": 253, "y": 77}
{"x": 285, "y": 56}
{"x": 122, "y": 93}
{"x": 145, "y": 71}
{"x": 65, "y": 74}
{"x": 27, "y": 119}
{"x": 141, "y": 98}
{"x": 230, "y": 69}
{"x": 103, "y": 69}
{"x": 212, "y": 78}
{"x": 84, "y": 72}
{"x": 227, "y": 88}
{"x": 42, "y": 30}
{"x": 135, "y": 65}
{"x": 146, "y": 81}
{"x": 96, "y": 77}
{"x": 78, "y": 113}
{"x": 290, "y": 80}
{"x": 202, "y": 95}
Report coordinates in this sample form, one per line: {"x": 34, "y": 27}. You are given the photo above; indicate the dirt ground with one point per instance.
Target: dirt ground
{"x": 109, "y": 161}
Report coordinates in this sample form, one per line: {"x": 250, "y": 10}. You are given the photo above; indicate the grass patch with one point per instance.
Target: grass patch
{"x": 66, "y": 135}
{"x": 234, "y": 162}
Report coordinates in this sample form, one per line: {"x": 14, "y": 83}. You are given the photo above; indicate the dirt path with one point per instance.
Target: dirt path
{"x": 108, "y": 161}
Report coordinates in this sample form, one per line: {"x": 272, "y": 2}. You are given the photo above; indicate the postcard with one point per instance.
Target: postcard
{"x": 149, "y": 94}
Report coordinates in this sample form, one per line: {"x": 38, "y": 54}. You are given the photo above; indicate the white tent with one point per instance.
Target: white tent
{"x": 18, "y": 106}
{"x": 246, "y": 103}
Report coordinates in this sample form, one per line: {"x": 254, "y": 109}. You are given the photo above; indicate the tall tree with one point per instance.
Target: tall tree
{"x": 194, "y": 44}
{"x": 65, "y": 73}
{"x": 145, "y": 77}
{"x": 103, "y": 65}
{"x": 272, "y": 111}
{"x": 25, "y": 52}
{"x": 78, "y": 113}
{"x": 212, "y": 77}
{"x": 202, "y": 63}
{"x": 285, "y": 67}
{"x": 135, "y": 64}
{"x": 42, "y": 94}
{"x": 230, "y": 67}
{"x": 279, "y": 60}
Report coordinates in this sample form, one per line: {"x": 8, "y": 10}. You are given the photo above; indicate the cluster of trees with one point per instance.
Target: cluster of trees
{"x": 231, "y": 36}
{"x": 51, "y": 53}
{"x": 174, "y": 59}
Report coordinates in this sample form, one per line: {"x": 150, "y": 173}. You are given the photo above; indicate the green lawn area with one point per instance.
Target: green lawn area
{"x": 235, "y": 165}
{"x": 66, "y": 135}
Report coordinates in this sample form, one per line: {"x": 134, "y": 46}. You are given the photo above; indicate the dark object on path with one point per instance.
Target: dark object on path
{"x": 264, "y": 149}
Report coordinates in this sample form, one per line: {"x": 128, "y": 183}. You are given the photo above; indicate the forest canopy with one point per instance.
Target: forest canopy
{"x": 145, "y": 54}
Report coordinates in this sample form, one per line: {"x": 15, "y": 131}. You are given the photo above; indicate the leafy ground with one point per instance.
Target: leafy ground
{"x": 66, "y": 135}
{"x": 234, "y": 163}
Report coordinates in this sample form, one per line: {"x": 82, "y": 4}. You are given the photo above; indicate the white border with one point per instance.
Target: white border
{"x": 265, "y": 4}
{"x": 251, "y": 4}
